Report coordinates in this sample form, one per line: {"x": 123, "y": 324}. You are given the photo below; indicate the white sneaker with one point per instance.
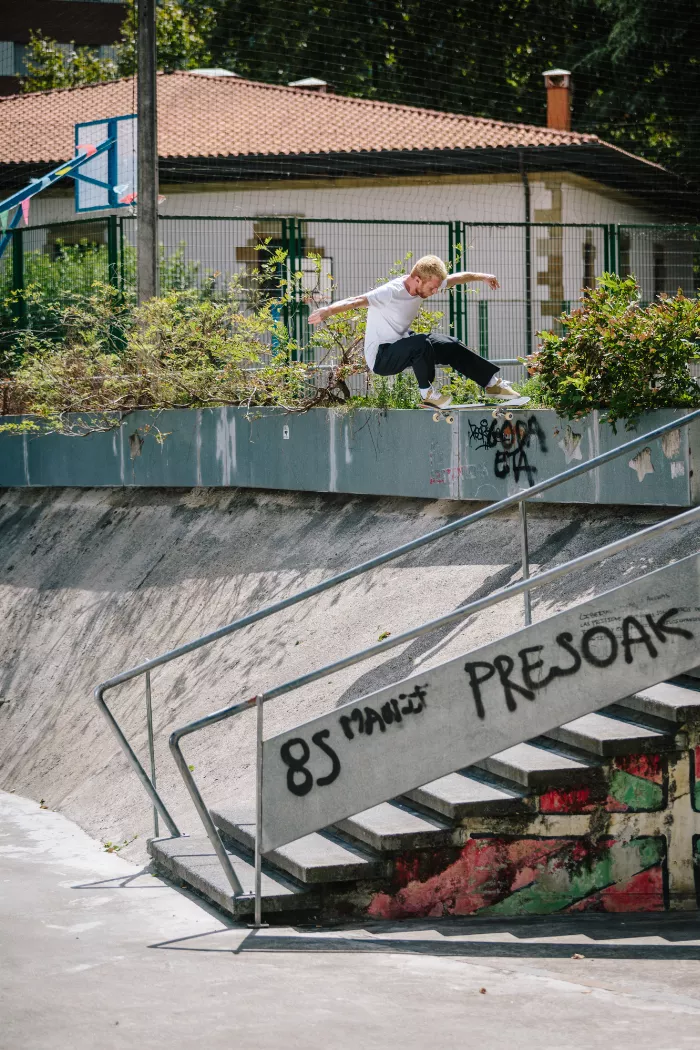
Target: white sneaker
{"x": 500, "y": 389}
{"x": 436, "y": 400}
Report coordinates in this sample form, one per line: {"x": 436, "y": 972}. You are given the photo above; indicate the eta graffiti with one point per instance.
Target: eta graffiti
{"x": 361, "y": 720}
{"x": 511, "y": 441}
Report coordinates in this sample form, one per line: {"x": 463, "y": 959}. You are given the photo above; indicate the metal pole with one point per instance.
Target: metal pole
{"x": 528, "y": 258}
{"x": 151, "y": 749}
{"x": 258, "y": 812}
{"x": 147, "y": 153}
{"x": 526, "y": 561}
{"x": 204, "y": 814}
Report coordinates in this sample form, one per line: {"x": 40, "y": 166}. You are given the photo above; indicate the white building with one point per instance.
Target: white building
{"x": 242, "y": 161}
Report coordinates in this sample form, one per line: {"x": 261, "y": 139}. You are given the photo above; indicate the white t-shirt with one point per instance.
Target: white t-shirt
{"x": 391, "y": 311}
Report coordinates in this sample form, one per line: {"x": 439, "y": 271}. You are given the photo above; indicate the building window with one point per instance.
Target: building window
{"x": 589, "y": 254}
{"x": 7, "y": 58}
{"x": 625, "y": 250}
{"x": 659, "y": 269}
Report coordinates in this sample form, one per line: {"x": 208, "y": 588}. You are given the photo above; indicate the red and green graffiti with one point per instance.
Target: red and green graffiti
{"x": 495, "y": 875}
{"x": 637, "y": 783}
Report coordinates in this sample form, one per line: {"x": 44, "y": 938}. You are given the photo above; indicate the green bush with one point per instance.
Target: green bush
{"x": 87, "y": 358}
{"x": 619, "y": 356}
{"x": 58, "y": 284}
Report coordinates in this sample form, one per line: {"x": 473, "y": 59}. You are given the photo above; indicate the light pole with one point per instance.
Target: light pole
{"x": 147, "y": 153}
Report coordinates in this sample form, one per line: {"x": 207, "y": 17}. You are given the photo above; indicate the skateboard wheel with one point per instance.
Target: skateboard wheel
{"x": 509, "y": 415}
{"x": 436, "y": 417}
{"x": 449, "y": 419}
{"x": 495, "y": 414}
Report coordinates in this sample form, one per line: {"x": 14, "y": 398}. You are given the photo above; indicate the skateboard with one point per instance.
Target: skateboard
{"x": 500, "y": 410}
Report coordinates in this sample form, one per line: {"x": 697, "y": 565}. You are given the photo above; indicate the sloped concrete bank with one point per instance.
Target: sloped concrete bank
{"x": 95, "y": 580}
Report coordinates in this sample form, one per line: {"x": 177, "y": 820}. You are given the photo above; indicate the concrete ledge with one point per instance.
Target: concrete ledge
{"x": 365, "y": 451}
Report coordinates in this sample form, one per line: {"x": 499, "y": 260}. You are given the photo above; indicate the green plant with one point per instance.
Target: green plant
{"x": 619, "y": 356}
{"x": 51, "y": 65}
{"x": 180, "y": 39}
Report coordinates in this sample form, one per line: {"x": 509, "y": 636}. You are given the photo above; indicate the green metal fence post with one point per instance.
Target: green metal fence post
{"x": 286, "y": 248}
{"x": 484, "y": 327}
{"x": 459, "y": 290}
{"x": 20, "y": 304}
{"x": 452, "y": 256}
{"x": 614, "y": 251}
{"x": 112, "y": 252}
{"x": 528, "y": 286}
{"x": 122, "y": 257}
{"x": 606, "y": 249}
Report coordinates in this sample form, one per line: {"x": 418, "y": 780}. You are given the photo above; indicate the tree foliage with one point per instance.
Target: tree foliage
{"x": 49, "y": 65}
{"x": 180, "y": 41}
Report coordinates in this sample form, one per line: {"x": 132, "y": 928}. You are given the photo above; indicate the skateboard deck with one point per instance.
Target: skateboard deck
{"x": 500, "y": 409}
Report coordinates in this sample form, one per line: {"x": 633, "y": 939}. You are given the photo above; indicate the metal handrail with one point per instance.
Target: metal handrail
{"x": 524, "y": 586}
{"x": 333, "y": 581}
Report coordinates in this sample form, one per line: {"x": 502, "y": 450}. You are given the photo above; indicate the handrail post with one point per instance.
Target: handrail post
{"x": 527, "y": 607}
{"x": 151, "y": 748}
{"x": 129, "y": 752}
{"x": 204, "y": 814}
{"x": 257, "y": 919}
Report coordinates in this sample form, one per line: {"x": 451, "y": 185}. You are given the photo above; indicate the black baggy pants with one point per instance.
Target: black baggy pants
{"x": 423, "y": 352}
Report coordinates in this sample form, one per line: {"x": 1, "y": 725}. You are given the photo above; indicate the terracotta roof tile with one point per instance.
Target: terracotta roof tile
{"x": 202, "y": 116}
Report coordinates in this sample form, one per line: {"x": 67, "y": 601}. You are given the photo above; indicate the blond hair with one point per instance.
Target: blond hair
{"x": 429, "y": 266}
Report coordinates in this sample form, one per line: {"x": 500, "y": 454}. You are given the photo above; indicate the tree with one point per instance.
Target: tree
{"x": 647, "y": 74}
{"x": 180, "y": 38}
{"x": 52, "y": 65}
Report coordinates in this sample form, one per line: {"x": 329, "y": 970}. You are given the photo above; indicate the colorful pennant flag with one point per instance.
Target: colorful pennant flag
{"x": 129, "y": 199}
{"x": 25, "y": 210}
{"x": 3, "y": 220}
{"x": 119, "y": 190}
{"x": 87, "y": 148}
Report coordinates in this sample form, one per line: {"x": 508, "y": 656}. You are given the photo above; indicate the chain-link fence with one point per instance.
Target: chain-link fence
{"x": 542, "y": 268}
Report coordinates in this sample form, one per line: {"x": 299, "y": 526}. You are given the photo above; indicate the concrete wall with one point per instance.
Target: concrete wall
{"x": 367, "y": 451}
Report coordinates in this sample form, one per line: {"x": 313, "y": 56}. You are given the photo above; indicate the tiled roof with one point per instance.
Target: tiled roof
{"x": 227, "y": 116}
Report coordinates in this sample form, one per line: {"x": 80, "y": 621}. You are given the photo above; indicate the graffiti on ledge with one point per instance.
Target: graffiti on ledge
{"x": 511, "y": 440}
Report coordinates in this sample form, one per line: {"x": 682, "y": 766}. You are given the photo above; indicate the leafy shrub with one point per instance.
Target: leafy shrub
{"x": 70, "y": 277}
{"x": 619, "y": 356}
{"x": 88, "y": 358}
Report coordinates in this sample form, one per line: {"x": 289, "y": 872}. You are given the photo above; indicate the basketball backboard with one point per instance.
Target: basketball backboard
{"x": 108, "y": 181}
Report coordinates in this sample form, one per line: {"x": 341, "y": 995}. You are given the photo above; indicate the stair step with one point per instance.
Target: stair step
{"x": 541, "y": 765}
{"x": 470, "y": 792}
{"x": 604, "y": 734}
{"x": 314, "y": 858}
{"x": 668, "y": 700}
{"x": 193, "y": 861}
{"x": 393, "y": 826}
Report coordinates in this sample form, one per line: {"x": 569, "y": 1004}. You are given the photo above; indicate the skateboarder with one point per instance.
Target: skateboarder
{"x": 391, "y": 346}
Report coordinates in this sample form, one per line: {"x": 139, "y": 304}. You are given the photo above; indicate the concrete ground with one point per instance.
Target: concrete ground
{"x": 97, "y": 952}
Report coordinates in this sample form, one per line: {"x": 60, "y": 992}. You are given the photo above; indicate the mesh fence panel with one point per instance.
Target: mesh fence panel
{"x": 542, "y": 267}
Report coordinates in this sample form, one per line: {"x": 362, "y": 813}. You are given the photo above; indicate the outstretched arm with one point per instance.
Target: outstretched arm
{"x": 462, "y": 278}
{"x": 341, "y": 307}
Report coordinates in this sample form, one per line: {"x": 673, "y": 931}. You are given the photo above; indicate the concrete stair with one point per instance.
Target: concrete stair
{"x": 329, "y": 872}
